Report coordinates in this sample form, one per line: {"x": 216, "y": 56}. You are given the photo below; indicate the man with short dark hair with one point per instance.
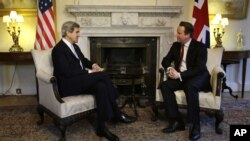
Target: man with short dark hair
{"x": 78, "y": 75}
{"x": 190, "y": 74}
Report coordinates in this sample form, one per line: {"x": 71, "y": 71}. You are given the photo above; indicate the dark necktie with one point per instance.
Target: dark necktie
{"x": 181, "y": 55}
{"x": 79, "y": 54}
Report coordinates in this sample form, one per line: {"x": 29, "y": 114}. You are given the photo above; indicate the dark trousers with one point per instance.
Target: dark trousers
{"x": 191, "y": 88}
{"x": 100, "y": 85}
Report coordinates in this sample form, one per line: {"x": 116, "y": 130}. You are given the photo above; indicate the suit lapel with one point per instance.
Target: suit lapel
{"x": 191, "y": 47}
{"x": 190, "y": 51}
{"x": 67, "y": 49}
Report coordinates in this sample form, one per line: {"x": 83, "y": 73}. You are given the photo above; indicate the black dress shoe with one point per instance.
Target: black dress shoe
{"x": 194, "y": 132}
{"x": 107, "y": 134}
{"x": 124, "y": 118}
{"x": 174, "y": 126}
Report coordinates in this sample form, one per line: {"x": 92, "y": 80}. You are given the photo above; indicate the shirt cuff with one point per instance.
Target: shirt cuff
{"x": 168, "y": 69}
{"x": 180, "y": 76}
{"x": 89, "y": 71}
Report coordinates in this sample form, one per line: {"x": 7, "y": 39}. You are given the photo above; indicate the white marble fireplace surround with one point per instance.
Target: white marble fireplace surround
{"x": 126, "y": 21}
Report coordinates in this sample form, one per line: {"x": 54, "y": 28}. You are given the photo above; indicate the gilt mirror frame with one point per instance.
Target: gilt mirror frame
{"x": 232, "y": 9}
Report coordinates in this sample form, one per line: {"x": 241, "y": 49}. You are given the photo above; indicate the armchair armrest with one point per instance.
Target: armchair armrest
{"x": 217, "y": 75}
{"x": 162, "y": 73}
{"x": 49, "y": 79}
{"x": 45, "y": 77}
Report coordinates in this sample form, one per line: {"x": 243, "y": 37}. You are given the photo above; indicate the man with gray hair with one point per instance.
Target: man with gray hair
{"x": 78, "y": 75}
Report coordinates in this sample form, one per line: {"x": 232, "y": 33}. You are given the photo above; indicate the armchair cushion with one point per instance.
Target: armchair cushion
{"x": 76, "y": 104}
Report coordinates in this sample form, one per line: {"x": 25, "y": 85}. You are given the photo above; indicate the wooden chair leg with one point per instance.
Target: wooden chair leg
{"x": 41, "y": 115}
{"x": 62, "y": 129}
{"x": 219, "y": 116}
{"x": 63, "y": 136}
{"x": 155, "y": 111}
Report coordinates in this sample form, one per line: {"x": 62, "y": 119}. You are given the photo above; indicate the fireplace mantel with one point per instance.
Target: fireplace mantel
{"x": 109, "y": 16}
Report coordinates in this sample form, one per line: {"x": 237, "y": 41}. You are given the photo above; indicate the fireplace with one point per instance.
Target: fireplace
{"x": 127, "y": 55}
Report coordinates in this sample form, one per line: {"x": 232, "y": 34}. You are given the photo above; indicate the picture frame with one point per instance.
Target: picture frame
{"x": 232, "y": 9}
{"x": 23, "y": 7}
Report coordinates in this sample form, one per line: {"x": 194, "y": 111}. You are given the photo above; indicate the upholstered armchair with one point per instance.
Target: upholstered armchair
{"x": 210, "y": 102}
{"x": 64, "y": 111}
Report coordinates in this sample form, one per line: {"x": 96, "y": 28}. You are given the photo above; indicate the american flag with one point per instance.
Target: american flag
{"x": 45, "y": 30}
{"x": 201, "y": 22}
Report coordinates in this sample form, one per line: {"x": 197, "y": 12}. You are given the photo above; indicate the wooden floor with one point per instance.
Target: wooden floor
{"x": 18, "y": 100}
{"x": 29, "y": 100}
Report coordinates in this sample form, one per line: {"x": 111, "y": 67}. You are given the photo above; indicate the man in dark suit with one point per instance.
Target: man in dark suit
{"x": 78, "y": 75}
{"x": 190, "y": 74}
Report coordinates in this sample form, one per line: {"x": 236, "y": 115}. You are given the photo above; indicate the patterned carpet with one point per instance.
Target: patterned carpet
{"x": 19, "y": 124}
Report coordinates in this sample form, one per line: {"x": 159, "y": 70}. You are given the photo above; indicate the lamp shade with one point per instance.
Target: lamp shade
{"x": 224, "y": 21}
{"x": 215, "y": 21}
{"x": 13, "y": 14}
{"x": 6, "y": 19}
{"x": 19, "y": 19}
{"x": 218, "y": 16}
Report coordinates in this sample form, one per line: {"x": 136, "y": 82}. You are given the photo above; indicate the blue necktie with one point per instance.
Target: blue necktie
{"x": 79, "y": 54}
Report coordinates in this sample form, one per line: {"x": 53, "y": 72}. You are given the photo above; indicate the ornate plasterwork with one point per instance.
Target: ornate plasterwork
{"x": 94, "y": 22}
{"x": 108, "y": 16}
{"x": 124, "y": 19}
{"x": 128, "y": 8}
{"x": 134, "y": 21}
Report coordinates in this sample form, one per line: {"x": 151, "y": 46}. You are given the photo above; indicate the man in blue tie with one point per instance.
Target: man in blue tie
{"x": 77, "y": 75}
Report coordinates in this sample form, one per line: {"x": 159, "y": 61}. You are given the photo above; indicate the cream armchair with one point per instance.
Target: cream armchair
{"x": 210, "y": 102}
{"x": 64, "y": 111}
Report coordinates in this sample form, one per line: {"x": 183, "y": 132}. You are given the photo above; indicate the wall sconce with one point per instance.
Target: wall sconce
{"x": 219, "y": 29}
{"x": 13, "y": 27}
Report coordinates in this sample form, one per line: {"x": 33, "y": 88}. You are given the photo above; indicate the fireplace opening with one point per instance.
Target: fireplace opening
{"x": 123, "y": 57}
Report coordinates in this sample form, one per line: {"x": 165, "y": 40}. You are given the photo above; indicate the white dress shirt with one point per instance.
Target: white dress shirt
{"x": 183, "y": 65}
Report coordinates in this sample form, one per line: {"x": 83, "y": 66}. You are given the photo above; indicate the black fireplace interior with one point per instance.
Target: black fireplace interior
{"x": 123, "y": 56}
{"x": 131, "y": 53}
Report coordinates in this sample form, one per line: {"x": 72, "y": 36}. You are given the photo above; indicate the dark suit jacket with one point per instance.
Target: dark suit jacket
{"x": 67, "y": 69}
{"x": 195, "y": 61}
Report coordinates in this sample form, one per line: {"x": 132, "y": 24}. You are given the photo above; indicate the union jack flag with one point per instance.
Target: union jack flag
{"x": 201, "y": 22}
{"x": 45, "y": 31}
